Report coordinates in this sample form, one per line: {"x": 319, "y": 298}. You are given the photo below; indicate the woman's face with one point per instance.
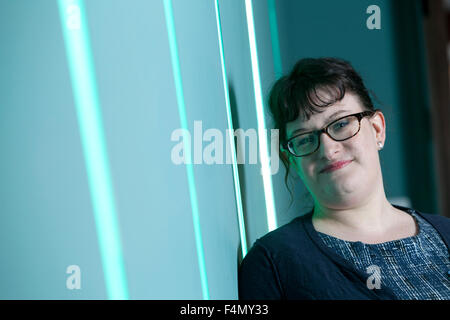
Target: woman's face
{"x": 355, "y": 181}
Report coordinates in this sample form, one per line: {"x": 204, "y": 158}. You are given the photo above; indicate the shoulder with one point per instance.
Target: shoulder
{"x": 435, "y": 219}
{"x": 291, "y": 235}
{"x": 289, "y": 241}
{"x": 440, "y": 223}
{"x": 265, "y": 270}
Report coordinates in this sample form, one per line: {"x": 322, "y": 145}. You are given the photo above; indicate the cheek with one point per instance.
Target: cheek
{"x": 364, "y": 152}
{"x": 306, "y": 170}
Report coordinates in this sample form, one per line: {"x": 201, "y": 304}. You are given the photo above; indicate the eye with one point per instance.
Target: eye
{"x": 340, "y": 124}
{"x": 301, "y": 141}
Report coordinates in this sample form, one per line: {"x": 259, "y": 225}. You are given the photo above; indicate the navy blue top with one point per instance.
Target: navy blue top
{"x": 294, "y": 262}
{"x": 414, "y": 267}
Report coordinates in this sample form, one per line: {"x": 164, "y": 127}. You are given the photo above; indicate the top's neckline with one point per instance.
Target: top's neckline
{"x": 306, "y": 223}
{"x": 395, "y": 241}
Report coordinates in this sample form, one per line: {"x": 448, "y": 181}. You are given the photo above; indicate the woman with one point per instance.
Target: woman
{"x": 354, "y": 244}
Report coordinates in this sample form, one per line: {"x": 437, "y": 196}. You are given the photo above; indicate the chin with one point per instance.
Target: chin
{"x": 344, "y": 192}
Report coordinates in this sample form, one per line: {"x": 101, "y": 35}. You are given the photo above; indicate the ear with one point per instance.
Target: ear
{"x": 379, "y": 127}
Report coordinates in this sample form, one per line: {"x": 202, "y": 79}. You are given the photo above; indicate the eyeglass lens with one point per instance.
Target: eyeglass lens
{"x": 340, "y": 130}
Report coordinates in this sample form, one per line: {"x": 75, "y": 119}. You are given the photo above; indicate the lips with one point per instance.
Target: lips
{"x": 335, "y": 166}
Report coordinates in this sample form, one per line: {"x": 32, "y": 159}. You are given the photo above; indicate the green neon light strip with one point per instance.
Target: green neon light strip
{"x": 82, "y": 73}
{"x": 263, "y": 148}
{"x": 275, "y": 39}
{"x": 187, "y": 148}
{"x": 237, "y": 187}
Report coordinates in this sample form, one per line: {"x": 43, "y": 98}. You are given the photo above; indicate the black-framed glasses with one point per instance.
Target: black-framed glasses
{"x": 340, "y": 129}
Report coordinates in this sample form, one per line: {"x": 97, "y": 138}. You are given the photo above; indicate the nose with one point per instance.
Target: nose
{"x": 328, "y": 147}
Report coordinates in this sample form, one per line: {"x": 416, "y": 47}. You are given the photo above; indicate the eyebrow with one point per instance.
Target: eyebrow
{"x": 329, "y": 119}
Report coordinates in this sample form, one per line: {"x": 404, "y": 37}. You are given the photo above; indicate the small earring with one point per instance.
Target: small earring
{"x": 380, "y": 145}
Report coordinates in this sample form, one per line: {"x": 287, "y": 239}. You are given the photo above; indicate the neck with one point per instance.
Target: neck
{"x": 373, "y": 215}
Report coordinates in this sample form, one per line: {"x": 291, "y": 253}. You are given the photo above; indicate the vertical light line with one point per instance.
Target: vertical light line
{"x": 187, "y": 147}
{"x": 237, "y": 187}
{"x": 82, "y": 73}
{"x": 263, "y": 148}
{"x": 275, "y": 38}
